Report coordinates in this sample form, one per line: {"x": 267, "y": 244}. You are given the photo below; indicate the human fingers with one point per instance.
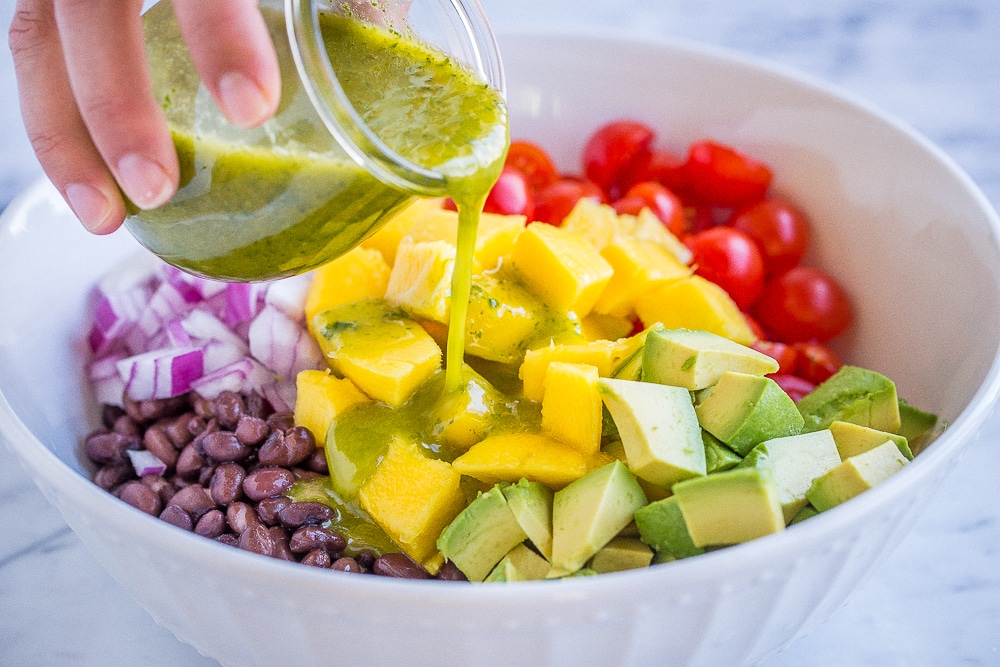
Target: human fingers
{"x": 53, "y": 123}
{"x": 106, "y": 62}
{"x": 233, "y": 52}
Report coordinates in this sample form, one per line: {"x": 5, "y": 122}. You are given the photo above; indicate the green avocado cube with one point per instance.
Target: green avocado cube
{"x": 730, "y": 507}
{"x": 696, "y": 359}
{"x": 481, "y": 535}
{"x": 855, "y": 476}
{"x": 854, "y": 439}
{"x": 621, "y": 553}
{"x": 855, "y": 395}
{"x": 744, "y": 410}
{"x": 661, "y": 525}
{"x": 521, "y": 564}
{"x": 531, "y": 503}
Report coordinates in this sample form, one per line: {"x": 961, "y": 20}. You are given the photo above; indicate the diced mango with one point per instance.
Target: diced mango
{"x": 320, "y": 397}
{"x": 648, "y": 227}
{"x": 561, "y": 267}
{"x": 494, "y": 237}
{"x": 463, "y": 417}
{"x": 412, "y": 498}
{"x": 360, "y": 274}
{"x": 420, "y": 282}
{"x": 639, "y": 267}
{"x": 601, "y": 225}
{"x": 605, "y": 355}
{"x": 387, "y": 355}
{"x": 594, "y": 221}
{"x": 501, "y": 318}
{"x": 389, "y": 236}
{"x": 572, "y": 407}
{"x": 596, "y": 326}
{"x": 533, "y": 456}
{"x": 695, "y": 303}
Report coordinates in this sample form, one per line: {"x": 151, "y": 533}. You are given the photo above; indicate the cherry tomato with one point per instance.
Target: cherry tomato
{"x": 730, "y": 259}
{"x": 804, "y": 304}
{"x": 510, "y": 195}
{"x": 658, "y": 199}
{"x": 781, "y": 230}
{"x": 613, "y": 151}
{"x": 816, "y": 362}
{"x": 793, "y": 385}
{"x": 720, "y": 175}
{"x": 553, "y": 203}
{"x": 787, "y": 356}
{"x": 531, "y": 160}
{"x": 664, "y": 167}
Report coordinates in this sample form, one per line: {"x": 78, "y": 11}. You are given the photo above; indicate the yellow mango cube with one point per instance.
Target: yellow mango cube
{"x": 596, "y": 222}
{"x": 501, "y": 318}
{"x": 420, "y": 282}
{"x": 387, "y": 355}
{"x": 648, "y": 227}
{"x": 412, "y": 498}
{"x": 533, "y": 456}
{"x": 561, "y": 267}
{"x": 605, "y": 355}
{"x": 639, "y": 267}
{"x": 695, "y": 303}
{"x": 596, "y": 326}
{"x": 572, "y": 406}
{"x": 319, "y": 398}
{"x": 494, "y": 237}
{"x": 360, "y": 274}
{"x": 389, "y": 236}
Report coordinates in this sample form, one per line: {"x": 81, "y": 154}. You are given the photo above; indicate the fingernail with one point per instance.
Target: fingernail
{"x": 89, "y": 205}
{"x": 144, "y": 181}
{"x": 242, "y": 100}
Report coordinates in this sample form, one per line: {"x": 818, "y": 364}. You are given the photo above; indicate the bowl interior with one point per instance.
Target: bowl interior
{"x": 912, "y": 239}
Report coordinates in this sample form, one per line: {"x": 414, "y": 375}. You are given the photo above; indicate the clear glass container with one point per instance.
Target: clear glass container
{"x": 333, "y": 164}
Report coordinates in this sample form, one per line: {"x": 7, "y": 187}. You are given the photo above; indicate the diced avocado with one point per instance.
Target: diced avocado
{"x": 855, "y": 395}
{"x": 587, "y": 513}
{"x": 730, "y": 507}
{"x": 481, "y": 535}
{"x": 806, "y": 512}
{"x": 855, "y": 476}
{"x": 521, "y": 564}
{"x": 718, "y": 456}
{"x": 913, "y": 422}
{"x": 531, "y": 503}
{"x": 658, "y": 428}
{"x": 744, "y": 410}
{"x": 795, "y": 461}
{"x": 853, "y": 439}
{"x": 621, "y": 553}
{"x": 696, "y": 359}
{"x": 661, "y": 526}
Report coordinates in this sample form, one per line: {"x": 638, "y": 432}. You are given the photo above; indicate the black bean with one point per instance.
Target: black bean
{"x": 317, "y": 462}
{"x": 223, "y": 447}
{"x": 257, "y": 539}
{"x": 450, "y": 572}
{"x": 174, "y": 514}
{"x": 194, "y": 499}
{"x": 257, "y": 406}
{"x": 251, "y": 430}
{"x": 269, "y": 508}
{"x": 179, "y": 429}
{"x": 281, "y": 421}
{"x": 163, "y": 487}
{"x": 232, "y": 539}
{"x": 203, "y": 407}
{"x": 189, "y": 462}
{"x": 141, "y": 497}
{"x": 308, "y": 538}
{"x": 295, "y": 515}
{"x": 109, "y": 447}
{"x": 110, "y": 414}
{"x": 211, "y": 524}
{"x": 226, "y": 485}
{"x": 229, "y": 406}
{"x": 126, "y": 426}
{"x": 366, "y": 559}
{"x": 109, "y": 476}
{"x": 267, "y": 483}
{"x": 317, "y": 558}
{"x": 288, "y": 448}
{"x": 159, "y": 445}
{"x": 240, "y": 516}
{"x": 280, "y": 537}
{"x": 400, "y": 566}
{"x": 345, "y": 564}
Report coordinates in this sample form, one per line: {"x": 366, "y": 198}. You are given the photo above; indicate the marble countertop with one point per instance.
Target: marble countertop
{"x": 934, "y": 601}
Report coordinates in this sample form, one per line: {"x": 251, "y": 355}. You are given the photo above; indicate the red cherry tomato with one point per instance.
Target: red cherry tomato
{"x": 664, "y": 167}
{"x": 510, "y": 195}
{"x": 816, "y": 362}
{"x": 718, "y": 174}
{"x": 787, "y": 356}
{"x": 779, "y": 228}
{"x": 804, "y": 304}
{"x": 793, "y": 385}
{"x": 531, "y": 160}
{"x": 553, "y": 203}
{"x": 613, "y": 151}
{"x": 730, "y": 259}
{"x": 658, "y": 199}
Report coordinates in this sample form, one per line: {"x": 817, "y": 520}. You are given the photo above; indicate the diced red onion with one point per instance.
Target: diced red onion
{"x": 243, "y": 302}
{"x": 193, "y": 288}
{"x": 245, "y": 374}
{"x": 281, "y": 395}
{"x": 204, "y": 326}
{"x": 145, "y": 462}
{"x": 114, "y": 314}
{"x": 289, "y": 295}
{"x": 176, "y": 334}
{"x": 161, "y": 373}
{"x": 165, "y": 304}
{"x": 282, "y": 344}
{"x": 139, "y": 270}
{"x": 108, "y": 385}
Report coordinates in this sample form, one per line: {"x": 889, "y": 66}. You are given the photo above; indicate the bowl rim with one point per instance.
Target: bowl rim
{"x": 41, "y": 461}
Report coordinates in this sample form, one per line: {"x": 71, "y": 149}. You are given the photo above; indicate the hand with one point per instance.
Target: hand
{"x": 86, "y": 99}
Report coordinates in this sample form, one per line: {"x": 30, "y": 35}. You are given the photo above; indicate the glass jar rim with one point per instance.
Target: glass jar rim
{"x": 343, "y": 121}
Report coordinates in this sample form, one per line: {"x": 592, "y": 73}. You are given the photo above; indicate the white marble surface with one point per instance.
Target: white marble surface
{"x": 935, "y": 601}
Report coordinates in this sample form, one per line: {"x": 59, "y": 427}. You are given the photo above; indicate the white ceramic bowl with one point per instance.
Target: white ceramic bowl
{"x": 909, "y": 234}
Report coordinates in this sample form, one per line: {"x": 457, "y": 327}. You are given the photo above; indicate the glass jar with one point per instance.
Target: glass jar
{"x": 335, "y": 162}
